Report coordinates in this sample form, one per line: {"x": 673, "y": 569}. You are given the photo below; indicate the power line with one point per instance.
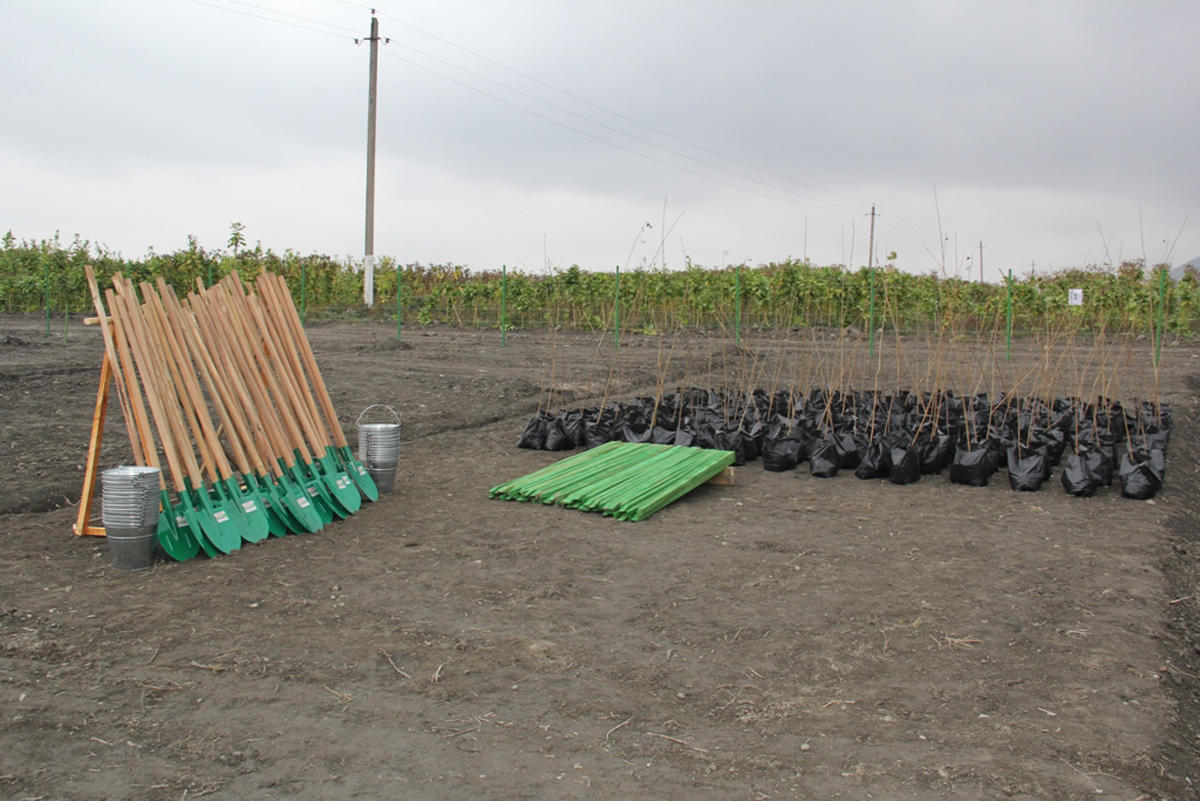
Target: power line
{"x": 600, "y": 139}
{"x": 642, "y": 140}
{"x": 799, "y": 199}
{"x": 293, "y": 16}
{"x": 607, "y": 110}
{"x": 271, "y": 19}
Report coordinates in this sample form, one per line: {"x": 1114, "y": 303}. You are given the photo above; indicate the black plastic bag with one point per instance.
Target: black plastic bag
{"x": 850, "y": 448}
{"x": 662, "y": 435}
{"x": 1077, "y": 477}
{"x": 598, "y": 432}
{"x": 557, "y": 438}
{"x": 1101, "y": 461}
{"x": 575, "y": 427}
{"x": 1142, "y": 474}
{"x": 635, "y": 431}
{"x": 936, "y": 451}
{"x": 534, "y": 436}
{"x": 905, "y": 465}
{"x": 782, "y": 453}
{"x": 1027, "y": 470}
{"x": 973, "y": 467}
{"x": 823, "y": 458}
{"x": 876, "y": 460}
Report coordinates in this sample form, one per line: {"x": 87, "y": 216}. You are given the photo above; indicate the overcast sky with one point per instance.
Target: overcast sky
{"x": 530, "y": 133}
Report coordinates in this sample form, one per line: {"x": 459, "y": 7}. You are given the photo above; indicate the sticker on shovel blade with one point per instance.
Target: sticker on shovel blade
{"x": 302, "y": 502}
{"x": 362, "y": 471}
{"x": 180, "y": 521}
{"x": 249, "y": 507}
{"x": 220, "y": 516}
{"x": 312, "y": 491}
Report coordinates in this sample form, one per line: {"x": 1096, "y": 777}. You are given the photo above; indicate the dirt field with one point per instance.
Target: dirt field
{"x": 786, "y": 637}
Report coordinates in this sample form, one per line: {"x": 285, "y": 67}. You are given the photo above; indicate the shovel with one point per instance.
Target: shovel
{"x": 212, "y": 519}
{"x": 253, "y": 523}
{"x": 304, "y": 496}
{"x": 344, "y": 489}
{"x": 274, "y": 291}
{"x": 174, "y": 533}
{"x": 286, "y": 503}
{"x": 342, "y": 500}
{"x": 279, "y": 522}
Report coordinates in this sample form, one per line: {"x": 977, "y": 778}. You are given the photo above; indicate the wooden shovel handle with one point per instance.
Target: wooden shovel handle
{"x": 243, "y": 377}
{"x": 227, "y": 408}
{"x": 283, "y": 302}
{"x": 242, "y": 331}
{"x": 123, "y": 316}
{"x": 176, "y": 355}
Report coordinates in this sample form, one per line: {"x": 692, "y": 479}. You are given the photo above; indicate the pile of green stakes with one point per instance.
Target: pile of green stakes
{"x": 625, "y": 480}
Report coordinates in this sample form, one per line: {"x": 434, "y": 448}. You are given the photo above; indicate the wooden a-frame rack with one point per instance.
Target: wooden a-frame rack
{"x": 139, "y": 434}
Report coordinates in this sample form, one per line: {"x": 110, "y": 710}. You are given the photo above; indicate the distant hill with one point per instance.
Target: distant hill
{"x": 1178, "y": 271}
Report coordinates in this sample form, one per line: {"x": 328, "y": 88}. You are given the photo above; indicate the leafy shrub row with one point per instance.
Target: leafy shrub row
{"x": 34, "y": 275}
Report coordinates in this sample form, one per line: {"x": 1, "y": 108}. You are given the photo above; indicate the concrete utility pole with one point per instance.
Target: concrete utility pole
{"x": 369, "y": 244}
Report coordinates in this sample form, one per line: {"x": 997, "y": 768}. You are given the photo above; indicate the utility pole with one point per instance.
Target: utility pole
{"x": 369, "y": 244}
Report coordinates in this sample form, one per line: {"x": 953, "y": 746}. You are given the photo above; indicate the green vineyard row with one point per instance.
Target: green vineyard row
{"x": 1130, "y": 297}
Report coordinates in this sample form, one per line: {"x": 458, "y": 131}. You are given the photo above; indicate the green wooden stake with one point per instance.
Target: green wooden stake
{"x": 66, "y": 324}
{"x": 399, "y": 295}
{"x": 871, "y": 310}
{"x": 1008, "y": 342}
{"x": 210, "y": 277}
{"x": 737, "y": 305}
{"x": 504, "y": 305}
{"x": 1162, "y": 301}
{"x": 617, "y": 313}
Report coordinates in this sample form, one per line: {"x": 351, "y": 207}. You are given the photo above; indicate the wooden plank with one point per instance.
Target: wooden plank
{"x": 81, "y": 527}
{"x": 723, "y": 479}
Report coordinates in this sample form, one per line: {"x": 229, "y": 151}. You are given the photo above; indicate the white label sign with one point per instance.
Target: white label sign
{"x": 1075, "y": 297}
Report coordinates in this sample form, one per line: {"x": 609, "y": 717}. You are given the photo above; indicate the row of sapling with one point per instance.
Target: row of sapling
{"x": 815, "y": 415}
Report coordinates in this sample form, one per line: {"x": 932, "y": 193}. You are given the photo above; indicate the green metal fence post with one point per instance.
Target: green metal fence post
{"x": 1162, "y": 300}
{"x": 871, "y": 312}
{"x": 46, "y": 287}
{"x": 504, "y": 305}
{"x": 617, "y": 313}
{"x": 737, "y": 305}
{"x": 1008, "y": 341}
{"x": 399, "y": 297}
{"x": 303, "y": 293}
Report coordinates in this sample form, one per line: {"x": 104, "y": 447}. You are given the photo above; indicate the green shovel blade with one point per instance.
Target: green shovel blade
{"x": 329, "y": 486}
{"x": 256, "y": 525}
{"x": 278, "y": 520}
{"x": 186, "y": 510}
{"x": 357, "y": 471}
{"x": 310, "y": 491}
{"x": 174, "y": 534}
{"x": 298, "y": 506}
{"x": 344, "y": 490}
{"x": 217, "y": 523}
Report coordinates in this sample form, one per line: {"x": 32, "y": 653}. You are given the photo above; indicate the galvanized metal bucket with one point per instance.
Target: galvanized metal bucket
{"x": 379, "y": 447}
{"x": 129, "y": 511}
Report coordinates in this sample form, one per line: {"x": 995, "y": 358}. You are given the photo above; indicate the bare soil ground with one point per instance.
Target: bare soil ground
{"x": 785, "y": 637}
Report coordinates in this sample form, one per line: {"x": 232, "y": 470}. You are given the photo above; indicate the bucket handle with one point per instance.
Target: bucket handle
{"x": 358, "y": 422}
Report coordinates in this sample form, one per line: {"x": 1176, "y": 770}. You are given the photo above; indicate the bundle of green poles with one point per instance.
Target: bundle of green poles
{"x": 625, "y": 480}
{"x": 223, "y": 388}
